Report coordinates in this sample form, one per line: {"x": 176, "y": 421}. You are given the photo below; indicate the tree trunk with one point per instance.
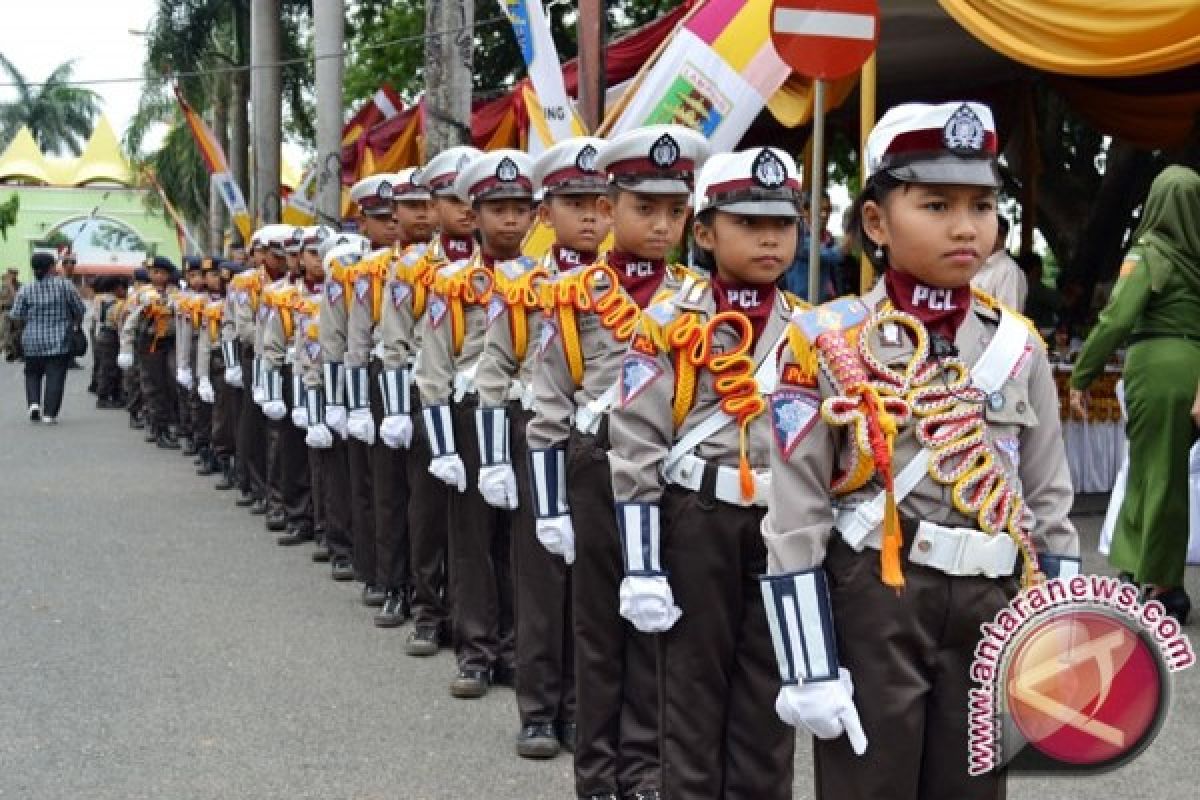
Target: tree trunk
{"x": 239, "y": 133}
{"x": 216, "y": 206}
{"x": 329, "y": 20}
{"x": 448, "y": 62}
{"x": 267, "y": 97}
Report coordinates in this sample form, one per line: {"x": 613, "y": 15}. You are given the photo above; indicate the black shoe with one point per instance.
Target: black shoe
{"x": 424, "y": 641}
{"x": 190, "y": 448}
{"x": 227, "y": 480}
{"x": 108, "y": 404}
{"x": 245, "y": 501}
{"x": 210, "y": 466}
{"x": 294, "y": 537}
{"x": 567, "y": 733}
{"x": 1176, "y": 602}
{"x": 151, "y": 437}
{"x": 341, "y": 569}
{"x": 259, "y": 508}
{"x": 321, "y": 555}
{"x": 166, "y": 442}
{"x": 646, "y": 794}
{"x": 394, "y": 611}
{"x": 537, "y": 741}
{"x": 276, "y": 521}
{"x": 470, "y": 683}
{"x": 601, "y": 796}
{"x": 373, "y": 596}
{"x": 504, "y": 675}
{"x": 92, "y": 387}
{"x": 136, "y": 423}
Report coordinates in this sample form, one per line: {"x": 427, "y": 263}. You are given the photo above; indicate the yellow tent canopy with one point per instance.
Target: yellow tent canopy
{"x": 100, "y": 162}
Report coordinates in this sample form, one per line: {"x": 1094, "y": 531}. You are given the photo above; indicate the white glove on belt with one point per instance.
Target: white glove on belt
{"x": 557, "y": 535}
{"x": 233, "y": 376}
{"x": 361, "y": 425}
{"x": 498, "y": 485}
{"x": 823, "y": 708}
{"x": 647, "y": 602}
{"x": 183, "y": 376}
{"x": 335, "y": 418}
{"x": 396, "y": 431}
{"x": 449, "y": 469}
{"x": 125, "y": 360}
{"x": 319, "y": 437}
{"x": 275, "y": 409}
{"x": 206, "y": 392}
{"x": 300, "y": 417}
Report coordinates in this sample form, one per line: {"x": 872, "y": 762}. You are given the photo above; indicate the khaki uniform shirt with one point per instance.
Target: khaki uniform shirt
{"x": 306, "y": 341}
{"x": 513, "y": 313}
{"x": 1024, "y": 431}
{"x": 642, "y": 426}
{"x": 277, "y": 323}
{"x": 334, "y": 312}
{"x": 209, "y": 337}
{"x": 462, "y": 287}
{"x": 362, "y": 324}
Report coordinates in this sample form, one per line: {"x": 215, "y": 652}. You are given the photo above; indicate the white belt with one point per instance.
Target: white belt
{"x": 587, "y": 418}
{"x": 290, "y": 356}
{"x": 688, "y": 472}
{"x": 464, "y": 383}
{"x": 964, "y": 552}
{"x": 520, "y": 391}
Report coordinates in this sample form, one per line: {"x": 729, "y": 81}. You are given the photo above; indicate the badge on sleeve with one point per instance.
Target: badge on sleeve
{"x": 637, "y": 373}
{"x": 313, "y": 349}
{"x": 437, "y": 310}
{"x": 362, "y": 287}
{"x": 333, "y": 290}
{"x": 794, "y": 375}
{"x": 495, "y": 308}
{"x": 546, "y": 336}
{"x": 264, "y": 311}
{"x": 401, "y": 291}
{"x": 793, "y": 414}
{"x": 243, "y": 297}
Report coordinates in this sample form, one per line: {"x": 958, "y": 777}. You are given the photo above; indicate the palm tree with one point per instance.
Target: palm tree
{"x": 59, "y": 115}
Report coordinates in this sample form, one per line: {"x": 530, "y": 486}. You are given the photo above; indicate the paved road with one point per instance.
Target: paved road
{"x": 156, "y": 643}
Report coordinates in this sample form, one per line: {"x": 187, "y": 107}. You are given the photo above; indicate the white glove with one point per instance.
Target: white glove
{"x": 361, "y": 425}
{"x": 205, "y": 389}
{"x": 183, "y": 376}
{"x": 335, "y": 418}
{"x": 396, "y": 431}
{"x": 498, "y": 485}
{"x": 259, "y": 395}
{"x": 450, "y": 470}
{"x": 275, "y": 409}
{"x": 824, "y": 708}
{"x": 557, "y": 535}
{"x": 233, "y": 376}
{"x": 319, "y": 437}
{"x": 647, "y": 602}
{"x": 125, "y": 360}
{"x": 300, "y": 417}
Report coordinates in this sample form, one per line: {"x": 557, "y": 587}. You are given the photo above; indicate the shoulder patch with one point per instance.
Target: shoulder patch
{"x": 437, "y": 310}
{"x": 546, "y": 336}
{"x": 793, "y": 414}
{"x": 638, "y": 372}
{"x": 362, "y": 287}
{"x": 333, "y": 290}
{"x": 495, "y": 308}
{"x": 313, "y": 349}
{"x": 400, "y": 293}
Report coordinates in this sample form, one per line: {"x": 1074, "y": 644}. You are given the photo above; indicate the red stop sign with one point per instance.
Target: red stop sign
{"x": 825, "y": 39}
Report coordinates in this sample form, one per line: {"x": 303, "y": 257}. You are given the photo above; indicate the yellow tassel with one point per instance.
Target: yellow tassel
{"x": 889, "y": 555}
{"x": 745, "y": 475}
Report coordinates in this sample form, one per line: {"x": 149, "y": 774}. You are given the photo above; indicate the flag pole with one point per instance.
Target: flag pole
{"x": 866, "y": 121}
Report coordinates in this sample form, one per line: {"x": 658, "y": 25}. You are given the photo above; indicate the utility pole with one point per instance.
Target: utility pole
{"x": 592, "y": 83}
{"x": 266, "y": 89}
{"x": 239, "y": 107}
{"x": 330, "y": 19}
{"x": 216, "y": 206}
{"x": 450, "y": 28}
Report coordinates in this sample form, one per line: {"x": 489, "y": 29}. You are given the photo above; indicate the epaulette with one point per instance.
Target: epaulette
{"x": 993, "y": 304}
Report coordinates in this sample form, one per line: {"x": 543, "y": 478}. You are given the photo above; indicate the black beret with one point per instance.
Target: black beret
{"x": 42, "y": 261}
{"x": 141, "y": 274}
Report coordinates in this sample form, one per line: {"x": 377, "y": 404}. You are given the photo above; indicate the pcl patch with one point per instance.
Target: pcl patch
{"x": 637, "y": 373}
{"x": 795, "y": 375}
{"x": 400, "y": 292}
{"x": 793, "y": 415}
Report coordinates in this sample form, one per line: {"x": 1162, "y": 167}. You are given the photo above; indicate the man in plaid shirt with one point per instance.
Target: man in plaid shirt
{"x": 49, "y": 307}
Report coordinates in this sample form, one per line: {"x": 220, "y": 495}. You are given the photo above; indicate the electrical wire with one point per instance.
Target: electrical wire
{"x": 271, "y": 65}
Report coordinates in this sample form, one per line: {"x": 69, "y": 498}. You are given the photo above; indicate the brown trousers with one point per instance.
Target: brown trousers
{"x": 721, "y": 737}
{"x": 224, "y": 410}
{"x": 362, "y": 511}
{"x": 615, "y": 666}
{"x": 157, "y": 375}
{"x": 295, "y": 481}
{"x": 389, "y": 483}
{"x": 335, "y": 491}
{"x": 480, "y": 574}
{"x": 542, "y": 585}
{"x": 428, "y": 510}
{"x": 910, "y": 655}
{"x": 251, "y": 432}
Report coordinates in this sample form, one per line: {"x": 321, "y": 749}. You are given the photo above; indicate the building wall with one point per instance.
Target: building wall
{"x": 43, "y": 209}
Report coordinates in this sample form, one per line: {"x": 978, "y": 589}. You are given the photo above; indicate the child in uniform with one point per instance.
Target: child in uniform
{"x": 690, "y": 461}
{"x": 929, "y": 414}
{"x": 593, "y": 315}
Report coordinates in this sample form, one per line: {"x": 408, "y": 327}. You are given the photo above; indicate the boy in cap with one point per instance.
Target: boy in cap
{"x": 567, "y": 177}
{"x": 389, "y": 483}
{"x": 691, "y": 448}
{"x": 648, "y": 173}
{"x": 875, "y": 610}
{"x": 150, "y": 330}
{"x": 189, "y": 304}
{"x": 131, "y": 375}
{"x": 376, "y": 199}
{"x": 326, "y": 346}
{"x": 217, "y": 397}
{"x": 498, "y": 187}
{"x": 108, "y": 374}
{"x": 428, "y": 496}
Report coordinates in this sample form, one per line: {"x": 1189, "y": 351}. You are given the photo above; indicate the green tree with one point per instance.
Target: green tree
{"x": 8, "y": 215}
{"x": 60, "y": 116}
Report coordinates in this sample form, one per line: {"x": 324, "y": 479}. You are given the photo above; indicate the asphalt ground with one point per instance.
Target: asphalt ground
{"x": 156, "y": 643}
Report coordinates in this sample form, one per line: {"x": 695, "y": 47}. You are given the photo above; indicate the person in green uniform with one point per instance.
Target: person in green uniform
{"x": 1155, "y": 310}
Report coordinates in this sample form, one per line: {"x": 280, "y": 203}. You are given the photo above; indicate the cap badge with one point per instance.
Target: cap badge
{"x": 964, "y": 131}
{"x": 665, "y": 152}
{"x": 507, "y": 170}
{"x": 586, "y": 160}
{"x": 768, "y": 170}
{"x": 384, "y": 192}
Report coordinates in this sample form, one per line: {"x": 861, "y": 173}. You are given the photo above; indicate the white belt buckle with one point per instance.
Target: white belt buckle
{"x": 464, "y": 384}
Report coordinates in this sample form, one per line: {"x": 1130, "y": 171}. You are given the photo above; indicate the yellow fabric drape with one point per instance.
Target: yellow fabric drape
{"x": 404, "y": 151}
{"x": 1097, "y": 38}
{"x": 1146, "y": 120}
{"x": 792, "y": 104}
